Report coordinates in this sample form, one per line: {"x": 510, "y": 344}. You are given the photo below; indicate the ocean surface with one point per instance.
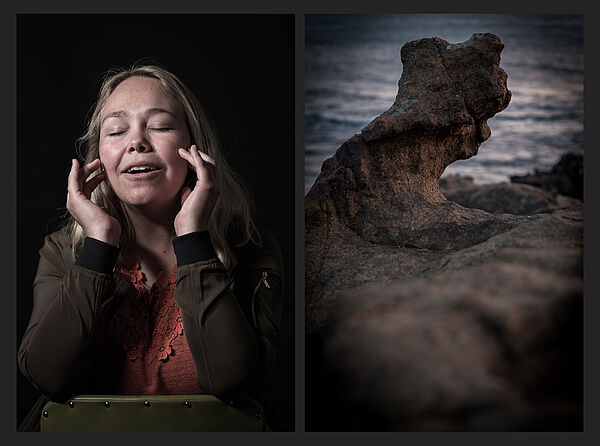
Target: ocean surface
{"x": 353, "y": 67}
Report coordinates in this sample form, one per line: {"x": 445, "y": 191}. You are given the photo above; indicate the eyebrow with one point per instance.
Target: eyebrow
{"x": 123, "y": 113}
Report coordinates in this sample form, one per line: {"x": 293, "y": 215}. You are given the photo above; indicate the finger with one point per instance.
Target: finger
{"x": 73, "y": 183}
{"x": 89, "y": 168}
{"x": 211, "y": 164}
{"x": 186, "y": 156}
{"x": 203, "y": 156}
{"x": 206, "y": 158}
{"x": 92, "y": 183}
{"x": 203, "y": 169}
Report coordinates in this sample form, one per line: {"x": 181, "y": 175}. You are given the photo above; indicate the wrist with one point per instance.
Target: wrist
{"x": 188, "y": 229}
{"x": 110, "y": 236}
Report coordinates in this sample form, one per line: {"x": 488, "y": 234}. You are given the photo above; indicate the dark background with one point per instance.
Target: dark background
{"x": 241, "y": 67}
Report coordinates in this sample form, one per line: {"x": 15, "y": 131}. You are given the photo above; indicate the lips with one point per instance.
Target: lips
{"x": 141, "y": 168}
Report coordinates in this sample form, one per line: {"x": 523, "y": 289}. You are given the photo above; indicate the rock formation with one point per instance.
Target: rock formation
{"x": 424, "y": 314}
{"x": 382, "y": 184}
{"x": 503, "y": 198}
{"x": 565, "y": 178}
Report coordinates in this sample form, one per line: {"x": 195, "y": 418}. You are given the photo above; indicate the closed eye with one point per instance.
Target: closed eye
{"x": 116, "y": 133}
{"x": 162, "y": 129}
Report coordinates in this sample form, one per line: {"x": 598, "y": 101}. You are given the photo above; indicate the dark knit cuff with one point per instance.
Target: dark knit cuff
{"x": 97, "y": 256}
{"x": 193, "y": 247}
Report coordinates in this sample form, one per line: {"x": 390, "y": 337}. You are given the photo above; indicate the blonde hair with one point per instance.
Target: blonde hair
{"x": 232, "y": 213}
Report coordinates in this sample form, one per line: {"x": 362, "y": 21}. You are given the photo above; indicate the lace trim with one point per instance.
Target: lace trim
{"x": 148, "y": 320}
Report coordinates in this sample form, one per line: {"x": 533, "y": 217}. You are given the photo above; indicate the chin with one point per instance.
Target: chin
{"x": 145, "y": 199}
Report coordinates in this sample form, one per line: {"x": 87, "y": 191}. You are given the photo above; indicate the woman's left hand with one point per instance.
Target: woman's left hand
{"x": 197, "y": 204}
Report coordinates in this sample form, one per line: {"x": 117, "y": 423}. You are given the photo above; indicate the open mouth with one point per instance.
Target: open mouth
{"x": 139, "y": 170}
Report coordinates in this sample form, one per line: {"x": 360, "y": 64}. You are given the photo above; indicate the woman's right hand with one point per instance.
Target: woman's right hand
{"x": 94, "y": 220}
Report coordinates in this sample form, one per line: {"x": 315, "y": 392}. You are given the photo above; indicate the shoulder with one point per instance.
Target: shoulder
{"x": 58, "y": 247}
{"x": 61, "y": 237}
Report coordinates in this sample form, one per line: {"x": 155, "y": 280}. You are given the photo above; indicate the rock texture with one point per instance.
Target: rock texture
{"x": 502, "y": 198}
{"x": 490, "y": 338}
{"x": 426, "y": 314}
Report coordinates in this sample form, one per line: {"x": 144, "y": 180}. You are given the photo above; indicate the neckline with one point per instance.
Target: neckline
{"x": 133, "y": 270}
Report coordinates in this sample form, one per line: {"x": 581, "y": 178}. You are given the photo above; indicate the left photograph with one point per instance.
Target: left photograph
{"x": 156, "y": 222}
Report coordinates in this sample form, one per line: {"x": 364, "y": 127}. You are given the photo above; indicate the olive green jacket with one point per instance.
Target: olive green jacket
{"x": 230, "y": 317}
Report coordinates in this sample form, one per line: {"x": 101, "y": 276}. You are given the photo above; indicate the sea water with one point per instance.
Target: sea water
{"x": 353, "y": 67}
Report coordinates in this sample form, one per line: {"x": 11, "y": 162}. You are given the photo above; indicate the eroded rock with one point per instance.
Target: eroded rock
{"x": 425, "y": 314}
{"x": 382, "y": 184}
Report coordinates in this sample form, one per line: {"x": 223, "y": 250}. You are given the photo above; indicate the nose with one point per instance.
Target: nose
{"x": 138, "y": 142}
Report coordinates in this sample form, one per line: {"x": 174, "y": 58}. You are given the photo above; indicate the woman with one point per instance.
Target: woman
{"x": 160, "y": 283}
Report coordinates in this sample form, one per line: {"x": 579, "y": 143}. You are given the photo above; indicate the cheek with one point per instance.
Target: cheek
{"x": 180, "y": 170}
{"x": 109, "y": 161}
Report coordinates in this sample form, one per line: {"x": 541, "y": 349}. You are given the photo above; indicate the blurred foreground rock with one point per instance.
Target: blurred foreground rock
{"x": 488, "y": 338}
{"x": 426, "y": 314}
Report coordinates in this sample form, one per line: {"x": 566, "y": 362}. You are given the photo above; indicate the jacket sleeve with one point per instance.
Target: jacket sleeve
{"x": 69, "y": 305}
{"x": 231, "y": 319}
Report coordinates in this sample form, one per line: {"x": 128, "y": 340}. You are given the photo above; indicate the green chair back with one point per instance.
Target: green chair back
{"x": 173, "y": 413}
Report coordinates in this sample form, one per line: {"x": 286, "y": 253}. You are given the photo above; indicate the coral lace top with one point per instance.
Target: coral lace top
{"x": 149, "y": 327}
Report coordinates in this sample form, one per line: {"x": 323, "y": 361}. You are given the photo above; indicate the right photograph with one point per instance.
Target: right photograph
{"x": 444, "y": 222}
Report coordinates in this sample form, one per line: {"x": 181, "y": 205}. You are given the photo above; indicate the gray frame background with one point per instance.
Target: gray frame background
{"x": 592, "y": 219}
